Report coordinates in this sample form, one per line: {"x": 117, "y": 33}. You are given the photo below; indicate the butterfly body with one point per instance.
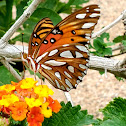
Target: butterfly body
{"x": 60, "y": 53}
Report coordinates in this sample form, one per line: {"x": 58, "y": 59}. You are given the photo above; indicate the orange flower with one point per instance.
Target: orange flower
{"x": 35, "y": 118}
{"x": 54, "y": 105}
{"x": 2, "y": 92}
{"x": 6, "y": 110}
{"x": 19, "y": 111}
{"x": 17, "y": 85}
{"x": 1, "y": 108}
{"x": 21, "y": 93}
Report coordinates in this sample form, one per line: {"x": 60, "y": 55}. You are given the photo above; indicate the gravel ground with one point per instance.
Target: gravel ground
{"x": 96, "y": 91}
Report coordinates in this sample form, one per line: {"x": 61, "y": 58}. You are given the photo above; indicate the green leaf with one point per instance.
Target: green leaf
{"x": 120, "y": 78}
{"x": 105, "y": 35}
{"x": 118, "y": 39}
{"x": 69, "y": 116}
{"x": 29, "y": 2}
{"x": 79, "y": 2}
{"x": 2, "y": 3}
{"x": 20, "y": 7}
{"x": 51, "y": 4}
{"x": 110, "y": 43}
{"x": 2, "y": 32}
{"x": 5, "y": 76}
{"x": 124, "y": 42}
{"x": 18, "y": 123}
{"x": 101, "y": 72}
{"x": 33, "y": 20}
{"x": 98, "y": 44}
{"x": 114, "y": 113}
{"x": 107, "y": 51}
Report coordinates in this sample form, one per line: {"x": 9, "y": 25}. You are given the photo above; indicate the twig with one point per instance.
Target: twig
{"x": 112, "y": 65}
{"x": 120, "y": 46}
{"x": 68, "y": 97}
{"x": 11, "y": 69}
{"x": 123, "y": 63}
{"x": 122, "y": 16}
{"x": 27, "y": 13}
{"x": 115, "y": 55}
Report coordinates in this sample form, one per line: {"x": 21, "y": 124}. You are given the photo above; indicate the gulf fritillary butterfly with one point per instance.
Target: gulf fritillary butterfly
{"x": 60, "y": 53}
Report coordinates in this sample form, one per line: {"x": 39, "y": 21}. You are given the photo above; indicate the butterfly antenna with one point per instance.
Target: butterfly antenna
{"x": 23, "y": 61}
{"x": 22, "y": 42}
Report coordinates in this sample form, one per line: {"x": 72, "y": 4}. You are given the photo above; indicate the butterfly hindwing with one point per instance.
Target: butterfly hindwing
{"x": 65, "y": 66}
{"x": 40, "y": 31}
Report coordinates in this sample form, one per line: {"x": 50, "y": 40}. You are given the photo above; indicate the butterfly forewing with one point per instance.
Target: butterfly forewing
{"x": 63, "y": 51}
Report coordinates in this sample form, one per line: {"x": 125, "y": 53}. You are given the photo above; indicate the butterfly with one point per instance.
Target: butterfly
{"x": 60, "y": 53}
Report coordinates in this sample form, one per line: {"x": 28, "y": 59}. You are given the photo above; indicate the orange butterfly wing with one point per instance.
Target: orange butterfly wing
{"x": 42, "y": 28}
{"x": 63, "y": 52}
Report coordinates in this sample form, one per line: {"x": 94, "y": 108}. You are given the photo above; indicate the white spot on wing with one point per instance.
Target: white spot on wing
{"x": 66, "y": 54}
{"x": 85, "y": 72}
{"x": 87, "y": 60}
{"x": 57, "y": 83}
{"x": 80, "y": 16}
{"x": 34, "y": 35}
{"x": 62, "y": 87}
{"x": 53, "y": 52}
{"x": 80, "y": 77}
{"x": 75, "y": 85}
{"x": 82, "y": 66}
{"x": 82, "y": 48}
{"x": 55, "y": 63}
{"x": 87, "y": 34}
{"x": 78, "y": 81}
{"x": 87, "y": 45}
{"x": 68, "y": 89}
{"x": 46, "y": 67}
{"x": 87, "y": 10}
{"x": 68, "y": 83}
{"x": 94, "y": 15}
{"x": 78, "y": 55}
{"x": 71, "y": 69}
{"x": 88, "y": 25}
{"x": 67, "y": 74}
{"x": 58, "y": 75}
{"x": 87, "y": 37}
{"x": 65, "y": 45}
{"x": 87, "y": 64}
{"x": 97, "y": 9}
{"x": 40, "y": 57}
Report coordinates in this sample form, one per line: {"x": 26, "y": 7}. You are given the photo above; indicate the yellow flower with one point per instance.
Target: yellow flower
{"x": 47, "y": 112}
{"x": 28, "y": 83}
{"x": 32, "y": 102}
{"x": 43, "y": 91}
{"x": 8, "y": 99}
{"x": 7, "y": 87}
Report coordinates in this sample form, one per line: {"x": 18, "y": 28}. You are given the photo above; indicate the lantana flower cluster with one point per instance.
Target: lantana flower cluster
{"x": 26, "y": 100}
